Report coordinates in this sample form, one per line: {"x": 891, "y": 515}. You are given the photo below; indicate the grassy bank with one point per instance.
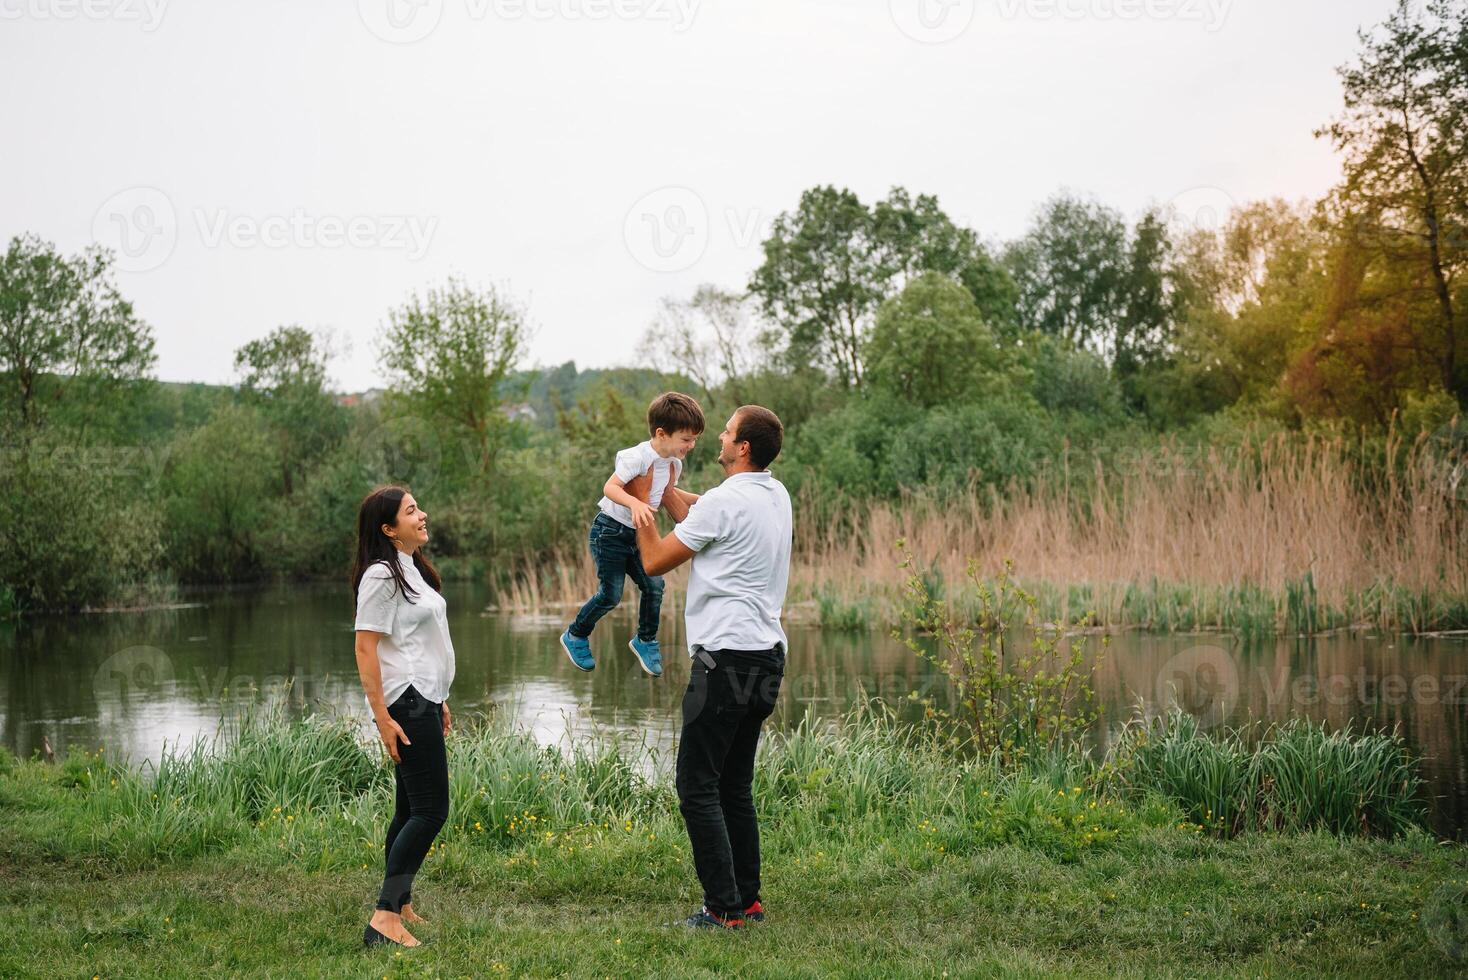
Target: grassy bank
{"x": 883, "y": 852}
{"x": 1290, "y": 534}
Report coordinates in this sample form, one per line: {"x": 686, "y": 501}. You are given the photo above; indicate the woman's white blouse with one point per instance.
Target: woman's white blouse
{"x": 415, "y": 647}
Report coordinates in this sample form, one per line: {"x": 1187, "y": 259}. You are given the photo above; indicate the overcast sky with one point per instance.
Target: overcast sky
{"x": 262, "y": 163}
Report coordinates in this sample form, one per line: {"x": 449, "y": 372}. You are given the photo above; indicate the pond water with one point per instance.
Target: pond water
{"x": 130, "y": 682}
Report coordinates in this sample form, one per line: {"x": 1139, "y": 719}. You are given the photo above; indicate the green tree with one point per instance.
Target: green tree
{"x": 218, "y": 488}
{"x": 829, "y": 265}
{"x": 1257, "y": 289}
{"x": 80, "y": 529}
{"x": 66, "y": 333}
{"x": 1154, "y": 297}
{"x": 821, "y": 280}
{"x": 284, "y": 375}
{"x": 449, "y": 354}
{"x": 916, "y": 237}
{"x": 931, "y": 345}
{"x": 1404, "y": 137}
{"x": 1071, "y": 270}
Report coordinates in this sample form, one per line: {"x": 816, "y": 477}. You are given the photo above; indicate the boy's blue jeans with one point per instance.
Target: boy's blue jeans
{"x": 614, "y": 549}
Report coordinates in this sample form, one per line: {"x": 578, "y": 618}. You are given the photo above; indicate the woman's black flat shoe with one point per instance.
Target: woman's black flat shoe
{"x": 371, "y": 937}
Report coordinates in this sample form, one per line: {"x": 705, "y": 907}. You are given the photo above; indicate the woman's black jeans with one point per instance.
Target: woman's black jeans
{"x": 422, "y": 778}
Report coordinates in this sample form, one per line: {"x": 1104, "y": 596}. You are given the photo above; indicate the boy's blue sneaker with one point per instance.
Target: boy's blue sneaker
{"x": 649, "y": 655}
{"x": 578, "y": 649}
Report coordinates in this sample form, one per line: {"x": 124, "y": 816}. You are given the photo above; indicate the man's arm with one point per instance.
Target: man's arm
{"x": 660, "y": 555}
{"x": 676, "y": 503}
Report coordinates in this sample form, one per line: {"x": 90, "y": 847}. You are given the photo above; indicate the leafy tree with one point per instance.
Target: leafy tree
{"x": 916, "y": 238}
{"x": 448, "y": 355}
{"x": 931, "y": 346}
{"x": 1404, "y": 136}
{"x": 829, "y": 265}
{"x": 1154, "y": 296}
{"x": 1070, "y": 270}
{"x": 1257, "y": 290}
{"x": 66, "y": 333}
{"x": 821, "y": 280}
{"x": 218, "y": 488}
{"x": 284, "y": 375}
{"x": 80, "y": 531}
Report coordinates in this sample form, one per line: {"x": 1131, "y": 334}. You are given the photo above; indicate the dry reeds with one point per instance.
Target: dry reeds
{"x": 1289, "y": 533}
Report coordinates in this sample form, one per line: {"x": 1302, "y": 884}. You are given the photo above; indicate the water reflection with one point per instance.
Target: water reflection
{"x": 131, "y": 682}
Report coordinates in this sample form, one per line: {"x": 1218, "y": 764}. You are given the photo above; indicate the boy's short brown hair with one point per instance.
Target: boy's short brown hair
{"x": 673, "y": 412}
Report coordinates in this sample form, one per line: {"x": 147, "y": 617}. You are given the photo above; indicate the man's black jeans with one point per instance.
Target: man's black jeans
{"x": 422, "y": 778}
{"x": 614, "y": 549}
{"x": 723, "y": 710}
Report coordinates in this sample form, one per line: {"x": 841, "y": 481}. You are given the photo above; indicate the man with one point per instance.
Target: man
{"x": 738, "y": 538}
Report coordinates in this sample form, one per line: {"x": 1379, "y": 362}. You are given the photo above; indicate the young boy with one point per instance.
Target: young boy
{"x": 675, "y": 422}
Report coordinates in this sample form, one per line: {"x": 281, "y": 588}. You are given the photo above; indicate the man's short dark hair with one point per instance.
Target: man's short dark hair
{"x": 761, "y": 428}
{"x": 674, "y": 412}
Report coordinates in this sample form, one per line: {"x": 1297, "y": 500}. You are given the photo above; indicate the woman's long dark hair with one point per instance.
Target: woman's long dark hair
{"x": 378, "y": 508}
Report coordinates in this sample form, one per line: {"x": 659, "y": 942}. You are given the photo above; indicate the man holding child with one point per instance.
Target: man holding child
{"x": 738, "y": 536}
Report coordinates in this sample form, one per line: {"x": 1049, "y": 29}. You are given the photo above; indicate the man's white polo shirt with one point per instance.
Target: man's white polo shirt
{"x": 740, "y": 535}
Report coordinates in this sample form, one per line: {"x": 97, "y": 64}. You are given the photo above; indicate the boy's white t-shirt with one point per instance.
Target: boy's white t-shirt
{"x": 740, "y": 533}
{"x": 632, "y": 463}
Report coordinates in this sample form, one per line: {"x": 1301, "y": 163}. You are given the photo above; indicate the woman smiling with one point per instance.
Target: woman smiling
{"x": 406, "y": 661}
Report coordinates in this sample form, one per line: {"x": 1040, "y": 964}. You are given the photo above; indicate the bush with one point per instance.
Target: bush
{"x": 83, "y": 528}
{"x": 1294, "y": 777}
{"x": 217, "y": 488}
{"x": 877, "y": 445}
{"x": 1013, "y": 705}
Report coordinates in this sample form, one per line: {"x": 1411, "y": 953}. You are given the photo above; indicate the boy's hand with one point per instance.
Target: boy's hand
{"x": 642, "y": 515}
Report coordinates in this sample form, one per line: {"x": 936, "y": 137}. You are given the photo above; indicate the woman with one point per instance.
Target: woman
{"x": 406, "y": 661}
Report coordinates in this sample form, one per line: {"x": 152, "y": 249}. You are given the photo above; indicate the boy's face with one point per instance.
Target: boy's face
{"x": 679, "y": 443}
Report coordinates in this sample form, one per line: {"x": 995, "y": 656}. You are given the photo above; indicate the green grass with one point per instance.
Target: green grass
{"x": 1295, "y": 777}
{"x": 883, "y": 854}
